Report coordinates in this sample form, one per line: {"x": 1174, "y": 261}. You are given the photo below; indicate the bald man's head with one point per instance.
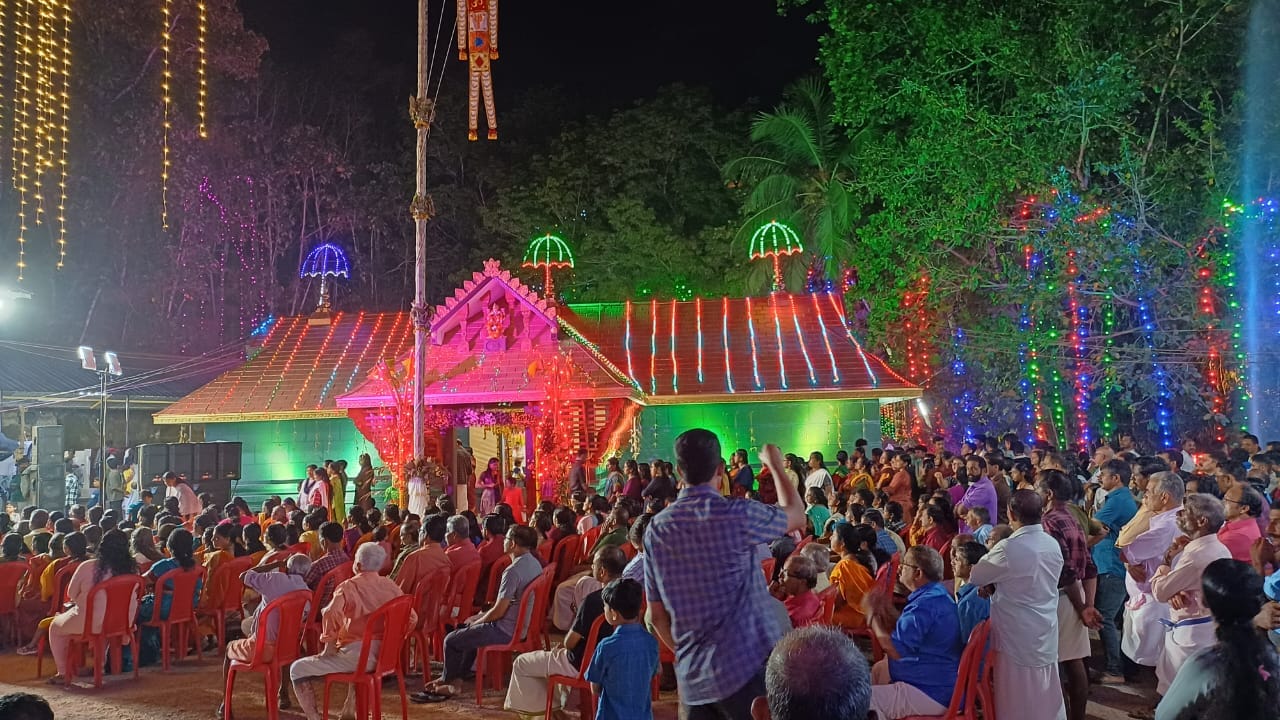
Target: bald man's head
{"x": 815, "y": 672}
{"x": 1025, "y": 508}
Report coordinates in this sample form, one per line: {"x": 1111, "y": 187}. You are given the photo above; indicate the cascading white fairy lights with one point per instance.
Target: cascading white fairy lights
{"x": 35, "y": 46}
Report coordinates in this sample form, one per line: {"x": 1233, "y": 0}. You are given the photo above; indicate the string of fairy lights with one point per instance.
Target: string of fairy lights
{"x": 36, "y": 53}
{"x": 35, "y": 47}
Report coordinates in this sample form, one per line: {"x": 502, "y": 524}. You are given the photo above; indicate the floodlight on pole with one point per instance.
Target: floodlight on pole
{"x": 110, "y": 368}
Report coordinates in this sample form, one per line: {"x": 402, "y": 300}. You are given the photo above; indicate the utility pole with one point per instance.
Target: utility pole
{"x": 421, "y": 112}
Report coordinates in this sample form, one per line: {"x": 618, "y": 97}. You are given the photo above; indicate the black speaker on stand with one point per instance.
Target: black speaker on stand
{"x": 51, "y": 471}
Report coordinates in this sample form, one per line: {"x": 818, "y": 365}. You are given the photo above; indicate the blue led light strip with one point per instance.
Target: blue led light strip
{"x": 724, "y": 339}
{"x": 795, "y": 319}
{"x": 826, "y": 339}
{"x": 755, "y": 363}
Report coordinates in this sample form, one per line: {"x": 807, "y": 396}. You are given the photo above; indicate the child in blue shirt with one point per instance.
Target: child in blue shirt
{"x": 624, "y": 663}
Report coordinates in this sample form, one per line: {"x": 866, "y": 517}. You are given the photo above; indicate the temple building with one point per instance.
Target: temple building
{"x": 515, "y": 376}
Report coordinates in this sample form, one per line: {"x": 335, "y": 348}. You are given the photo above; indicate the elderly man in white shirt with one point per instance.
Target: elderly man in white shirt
{"x": 1177, "y": 582}
{"x": 1024, "y": 569}
{"x": 1143, "y": 543}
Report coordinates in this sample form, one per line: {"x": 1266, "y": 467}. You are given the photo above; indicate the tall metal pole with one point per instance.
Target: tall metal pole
{"x": 102, "y": 459}
{"x": 421, "y": 112}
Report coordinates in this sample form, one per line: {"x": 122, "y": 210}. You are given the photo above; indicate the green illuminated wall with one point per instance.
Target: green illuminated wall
{"x": 797, "y": 427}
{"x": 276, "y": 454}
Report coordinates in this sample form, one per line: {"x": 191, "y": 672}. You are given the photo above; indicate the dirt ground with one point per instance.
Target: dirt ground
{"x": 191, "y": 690}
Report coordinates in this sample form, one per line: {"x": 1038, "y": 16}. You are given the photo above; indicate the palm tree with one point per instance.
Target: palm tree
{"x": 801, "y": 172}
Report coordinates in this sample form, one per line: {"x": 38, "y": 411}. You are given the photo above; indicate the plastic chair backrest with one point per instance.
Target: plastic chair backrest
{"x": 328, "y": 583}
{"x": 300, "y": 549}
{"x": 566, "y": 556}
{"x": 182, "y": 606}
{"x": 11, "y": 574}
{"x": 629, "y": 550}
{"x": 118, "y": 617}
{"x": 972, "y": 660}
{"x": 390, "y": 623}
{"x": 429, "y": 596}
{"x": 544, "y": 550}
{"x": 495, "y": 578}
{"x": 526, "y": 634}
{"x": 589, "y": 539}
{"x": 61, "y": 581}
{"x": 593, "y": 637}
{"x": 767, "y": 565}
{"x": 291, "y": 609}
{"x": 462, "y": 589}
{"x": 828, "y": 607}
{"x": 234, "y": 587}
{"x": 887, "y": 575}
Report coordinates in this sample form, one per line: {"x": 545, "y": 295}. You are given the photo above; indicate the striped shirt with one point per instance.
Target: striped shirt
{"x": 700, "y": 563}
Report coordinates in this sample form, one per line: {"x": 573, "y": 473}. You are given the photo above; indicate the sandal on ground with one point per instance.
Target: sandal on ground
{"x": 424, "y": 698}
{"x": 27, "y": 650}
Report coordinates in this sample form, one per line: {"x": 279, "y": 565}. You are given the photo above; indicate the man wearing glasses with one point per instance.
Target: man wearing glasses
{"x": 922, "y": 645}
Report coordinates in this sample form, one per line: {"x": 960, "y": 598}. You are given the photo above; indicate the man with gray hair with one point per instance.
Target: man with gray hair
{"x": 820, "y": 556}
{"x": 271, "y": 585}
{"x": 342, "y": 628}
{"x": 1142, "y": 543}
{"x": 459, "y": 548}
{"x": 814, "y": 672}
{"x": 1177, "y": 582}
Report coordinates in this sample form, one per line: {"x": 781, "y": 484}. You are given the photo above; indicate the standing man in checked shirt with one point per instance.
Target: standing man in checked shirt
{"x": 702, "y": 579}
{"x": 1077, "y": 584}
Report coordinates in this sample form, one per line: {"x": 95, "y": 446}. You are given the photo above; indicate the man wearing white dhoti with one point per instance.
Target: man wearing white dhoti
{"x": 1143, "y": 543}
{"x": 1190, "y": 626}
{"x": 1024, "y": 614}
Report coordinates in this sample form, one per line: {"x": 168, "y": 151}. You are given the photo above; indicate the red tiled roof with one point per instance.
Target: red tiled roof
{"x": 300, "y": 371}
{"x": 737, "y": 349}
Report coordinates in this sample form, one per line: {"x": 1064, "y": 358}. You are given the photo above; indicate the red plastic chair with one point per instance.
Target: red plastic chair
{"x": 566, "y": 556}
{"x": 182, "y": 611}
{"x": 62, "y": 580}
{"x": 767, "y": 566}
{"x": 459, "y": 602}
{"x": 973, "y": 681}
{"x": 544, "y": 551}
{"x": 629, "y": 550}
{"x": 323, "y": 590}
{"x": 300, "y": 549}
{"x": 291, "y": 611}
{"x": 232, "y": 600}
{"x": 578, "y": 682}
{"x": 495, "y": 578}
{"x": 526, "y": 638}
{"x": 11, "y": 574}
{"x": 589, "y": 539}
{"x": 118, "y": 625}
{"x": 828, "y": 607}
{"x": 428, "y": 597}
{"x": 544, "y": 604}
{"x": 388, "y": 625}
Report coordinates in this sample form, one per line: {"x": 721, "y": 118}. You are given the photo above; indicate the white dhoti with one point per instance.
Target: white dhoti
{"x": 1142, "y": 640}
{"x": 527, "y": 693}
{"x": 892, "y": 700}
{"x": 308, "y": 674}
{"x": 1179, "y": 644}
{"x": 1073, "y": 636}
{"x": 1028, "y": 693}
{"x": 569, "y": 596}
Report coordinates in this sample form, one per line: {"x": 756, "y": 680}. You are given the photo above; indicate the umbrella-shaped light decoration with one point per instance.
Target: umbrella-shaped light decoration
{"x": 548, "y": 252}
{"x": 325, "y": 260}
{"x": 774, "y": 240}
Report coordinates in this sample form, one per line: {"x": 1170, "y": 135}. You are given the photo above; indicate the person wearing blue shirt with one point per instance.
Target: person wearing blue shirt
{"x": 923, "y": 648}
{"x": 970, "y": 605}
{"x": 624, "y": 663}
{"x": 1117, "y": 510}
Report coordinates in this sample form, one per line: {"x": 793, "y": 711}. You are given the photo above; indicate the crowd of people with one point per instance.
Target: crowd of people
{"x": 764, "y": 586}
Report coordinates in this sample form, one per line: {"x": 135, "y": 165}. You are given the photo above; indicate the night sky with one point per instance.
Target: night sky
{"x": 606, "y": 53}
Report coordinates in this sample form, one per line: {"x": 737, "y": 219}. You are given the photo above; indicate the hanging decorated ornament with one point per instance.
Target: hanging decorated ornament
{"x": 549, "y": 252}
{"x": 775, "y": 240}
{"x": 477, "y": 45}
{"x": 324, "y": 261}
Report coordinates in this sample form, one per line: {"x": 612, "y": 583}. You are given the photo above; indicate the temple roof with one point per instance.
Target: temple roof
{"x": 300, "y": 370}
{"x": 778, "y": 347}
{"x": 775, "y": 347}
